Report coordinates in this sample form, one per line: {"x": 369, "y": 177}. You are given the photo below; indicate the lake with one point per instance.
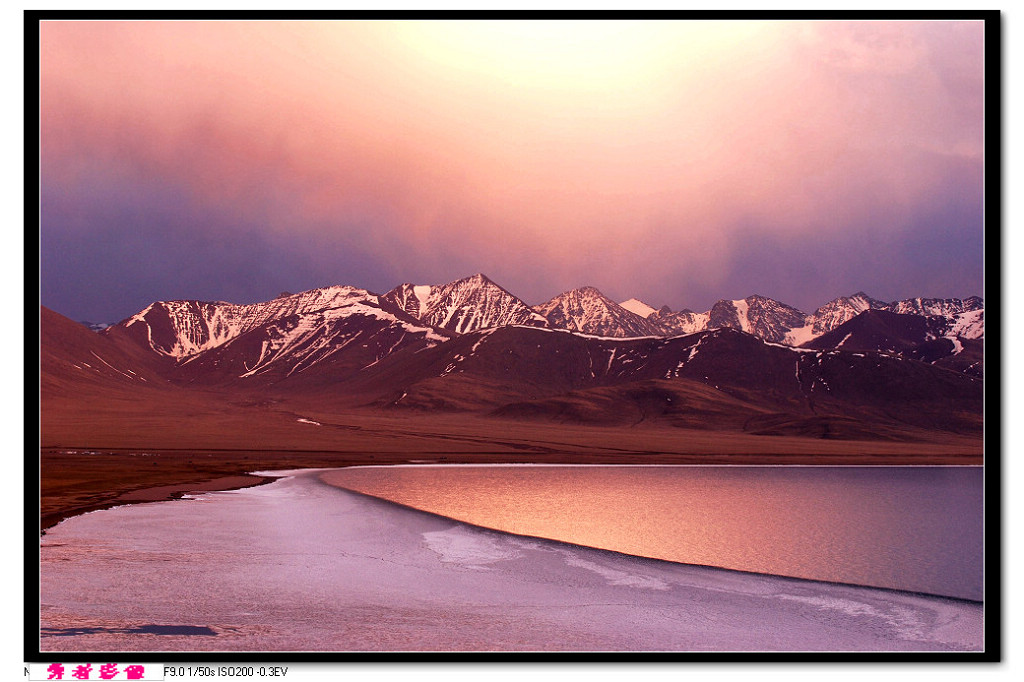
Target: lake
{"x": 907, "y": 528}
{"x": 300, "y": 565}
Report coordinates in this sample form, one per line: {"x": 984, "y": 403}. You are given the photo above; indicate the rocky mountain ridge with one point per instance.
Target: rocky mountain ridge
{"x": 335, "y": 333}
{"x": 465, "y": 305}
{"x": 588, "y": 311}
{"x": 364, "y": 354}
{"x": 476, "y": 302}
{"x": 780, "y": 323}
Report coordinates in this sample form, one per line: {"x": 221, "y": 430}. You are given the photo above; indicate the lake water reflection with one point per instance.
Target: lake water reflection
{"x": 908, "y": 528}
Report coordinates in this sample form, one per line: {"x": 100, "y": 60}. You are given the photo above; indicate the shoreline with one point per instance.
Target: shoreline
{"x": 712, "y": 567}
{"x": 76, "y": 481}
{"x": 163, "y": 493}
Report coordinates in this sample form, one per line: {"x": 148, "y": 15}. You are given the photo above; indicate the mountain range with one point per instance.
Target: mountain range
{"x": 856, "y": 367}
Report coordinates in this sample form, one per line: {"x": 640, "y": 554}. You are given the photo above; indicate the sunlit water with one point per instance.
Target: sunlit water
{"x": 908, "y": 528}
{"x": 298, "y": 565}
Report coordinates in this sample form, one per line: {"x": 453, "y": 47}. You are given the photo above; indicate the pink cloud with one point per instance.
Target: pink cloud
{"x": 798, "y": 128}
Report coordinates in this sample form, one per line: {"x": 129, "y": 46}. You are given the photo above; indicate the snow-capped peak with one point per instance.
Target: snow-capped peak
{"x": 185, "y": 328}
{"x": 758, "y": 315}
{"x": 465, "y": 305}
{"x": 839, "y": 310}
{"x": 588, "y": 310}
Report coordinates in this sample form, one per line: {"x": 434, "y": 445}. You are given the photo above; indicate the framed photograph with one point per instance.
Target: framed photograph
{"x": 652, "y": 336}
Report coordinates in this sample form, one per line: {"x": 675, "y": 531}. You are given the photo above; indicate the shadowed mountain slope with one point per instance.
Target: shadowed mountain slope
{"x": 934, "y": 340}
{"x": 526, "y": 372}
{"x": 72, "y": 355}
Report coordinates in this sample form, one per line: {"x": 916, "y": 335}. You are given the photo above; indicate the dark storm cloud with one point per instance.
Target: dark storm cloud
{"x": 117, "y": 246}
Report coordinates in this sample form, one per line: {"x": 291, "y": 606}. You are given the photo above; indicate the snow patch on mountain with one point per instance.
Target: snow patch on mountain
{"x": 422, "y": 293}
{"x": 482, "y": 335}
{"x": 799, "y": 335}
{"x": 968, "y": 325}
{"x": 742, "y": 309}
{"x": 638, "y": 307}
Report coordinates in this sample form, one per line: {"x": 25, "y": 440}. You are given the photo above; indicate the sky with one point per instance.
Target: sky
{"x": 676, "y": 162}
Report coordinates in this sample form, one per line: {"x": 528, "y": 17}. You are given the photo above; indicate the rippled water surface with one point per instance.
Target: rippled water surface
{"x": 908, "y": 528}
